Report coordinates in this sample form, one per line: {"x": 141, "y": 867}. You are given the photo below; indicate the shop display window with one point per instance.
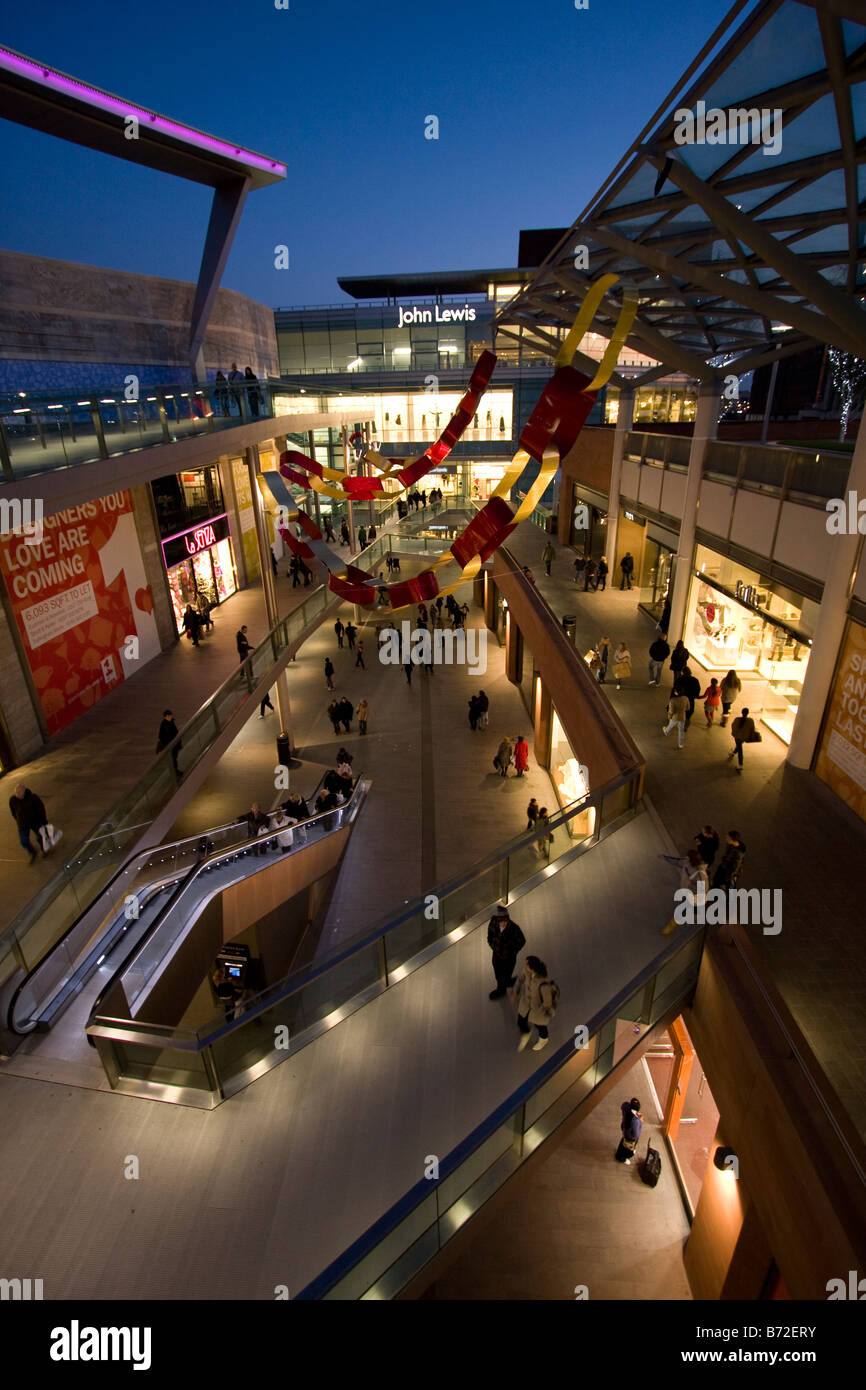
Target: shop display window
{"x": 225, "y": 579}
{"x": 569, "y": 779}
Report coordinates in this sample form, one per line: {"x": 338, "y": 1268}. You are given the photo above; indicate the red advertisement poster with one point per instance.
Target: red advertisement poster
{"x": 82, "y": 604}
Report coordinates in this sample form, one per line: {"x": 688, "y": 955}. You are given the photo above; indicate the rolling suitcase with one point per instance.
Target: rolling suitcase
{"x": 650, "y": 1169}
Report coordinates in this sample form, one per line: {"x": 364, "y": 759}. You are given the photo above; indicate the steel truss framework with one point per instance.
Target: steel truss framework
{"x": 739, "y": 255}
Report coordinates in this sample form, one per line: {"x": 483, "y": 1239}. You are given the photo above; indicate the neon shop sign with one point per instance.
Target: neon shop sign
{"x": 193, "y": 542}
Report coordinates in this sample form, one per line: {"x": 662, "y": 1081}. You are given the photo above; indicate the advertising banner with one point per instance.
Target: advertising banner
{"x": 247, "y": 518}
{"x": 841, "y": 759}
{"x": 82, "y": 604}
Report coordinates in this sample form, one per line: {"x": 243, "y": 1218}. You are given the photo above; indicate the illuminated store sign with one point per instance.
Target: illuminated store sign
{"x": 435, "y": 315}
{"x": 178, "y": 548}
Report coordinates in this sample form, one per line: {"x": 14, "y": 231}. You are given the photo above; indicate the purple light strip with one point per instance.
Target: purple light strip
{"x": 189, "y": 531}
{"x": 58, "y": 81}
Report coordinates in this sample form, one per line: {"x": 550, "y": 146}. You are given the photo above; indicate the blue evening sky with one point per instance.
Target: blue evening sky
{"x": 536, "y": 104}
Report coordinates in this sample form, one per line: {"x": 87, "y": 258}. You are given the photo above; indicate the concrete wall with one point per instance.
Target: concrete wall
{"x": 65, "y": 324}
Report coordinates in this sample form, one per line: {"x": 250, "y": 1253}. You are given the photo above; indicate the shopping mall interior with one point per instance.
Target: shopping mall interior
{"x": 340, "y": 647}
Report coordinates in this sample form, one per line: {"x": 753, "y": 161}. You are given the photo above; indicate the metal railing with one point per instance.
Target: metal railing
{"x": 215, "y": 1058}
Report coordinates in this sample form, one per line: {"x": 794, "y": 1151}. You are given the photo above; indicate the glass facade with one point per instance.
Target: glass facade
{"x": 656, "y": 573}
{"x": 738, "y": 620}
{"x": 422, "y": 335}
{"x": 673, "y": 402}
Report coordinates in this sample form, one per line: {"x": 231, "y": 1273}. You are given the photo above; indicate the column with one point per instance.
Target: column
{"x": 368, "y": 440}
{"x": 706, "y": 425}
{"x": 844, "y": 561}
{"x": 624, "y": 422}
{"x": 284, "y": 708}
{"x": 349, "y": 516}
{"x": 311, "y": 445}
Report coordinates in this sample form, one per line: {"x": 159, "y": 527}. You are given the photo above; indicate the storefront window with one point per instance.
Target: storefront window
{"x": 738, "y": 621}
{"x": 569, "y": 779}
{"x": 655, "y": 576}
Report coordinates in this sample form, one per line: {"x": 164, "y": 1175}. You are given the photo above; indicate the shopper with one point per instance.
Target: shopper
{"x": 506, "y": 941}
{"x": 235, "y": 382}
{"x": 334, "y": 713}
{"x": 344, "y": 532}
{"x": 548, "y": 556}
{"x": 621, "y": 664}
{"x": 295, "y": 572}
{"x": 731, "y": 862}
{"x": 580, "y": 568}
{"x": 601, "y": 574}
{"x": 295, "y": 807}
{"x": 690, "y": 686}
{"x": 273, "y": 563}
{"x": 363, "y": 713}
{"x": 191, "y": 624}
{"x": 265, "y": 704}
{"x": 664, "y": 622}
{"x": 346, "y": 709}
{"x": 254, "y": 397}
{"x": 536, "y": 996}
{"x": 359, "y": 659}
{"x": 589, "y": 576}
{"x": 603, "y": 649}
{"x": 203, "y": 606}
{"x": 521, "y": 755}
{"x": 28, "y": 812}
{"x": 351, "y": 634}
{"x": 626, "y": 564}
{"x": 329, "y": 530}
{"x": 545, "y": 837}
{"x": 678, "y": 708}
{"x": 258, "y": 824}
{"x": 221, "y": 394}
{"x": 244, "y": 648}
{"x": 631, "y": 1126}
{"x": 679, "y": 660}
{"x": 407, "y": 671}
{"x": 362, "y": 537}
{"x": 712, "y": 700}
{"x": 167, "y": 734}
{"x": 707, "y": 842}
{"x": 731, "y": 687}
{"x": 743, "y": 731}
{"x": 329, "y": 673}
{"x": 503, "y": 757}
{"x": 339, "y": 630}
{"x": 483, "y": 710}
{"x": 280, "y": 821}
{"x": 531, "y": 814}
{"x": 658, "y": 653}
{"x": 473, "y": 712}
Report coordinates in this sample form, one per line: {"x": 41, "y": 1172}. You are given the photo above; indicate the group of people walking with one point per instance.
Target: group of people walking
{"x": 599, "y": 659}
{"x": 535, "y": 995}
{"x": 696, "y": 865}
{"x": 686, "y": 691}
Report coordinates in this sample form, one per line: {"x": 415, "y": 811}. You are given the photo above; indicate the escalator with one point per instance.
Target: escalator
{"x": 118, "y": 918}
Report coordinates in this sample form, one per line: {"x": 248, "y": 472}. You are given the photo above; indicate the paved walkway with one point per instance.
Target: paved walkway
{"x": 800, "y": 837}
{"x": 274, "y": 1184}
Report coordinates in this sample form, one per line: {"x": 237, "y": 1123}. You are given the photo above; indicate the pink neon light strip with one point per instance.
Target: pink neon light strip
{"x": 58, "y": 81}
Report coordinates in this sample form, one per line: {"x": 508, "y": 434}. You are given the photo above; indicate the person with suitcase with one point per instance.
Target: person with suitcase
{"x": 631, "y": 1126}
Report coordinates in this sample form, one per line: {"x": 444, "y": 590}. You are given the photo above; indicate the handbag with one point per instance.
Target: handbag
{"x": 755, "y": 737}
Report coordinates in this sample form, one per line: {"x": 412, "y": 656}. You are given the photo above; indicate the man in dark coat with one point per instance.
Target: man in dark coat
{"x": 506, "y": 941}
{"x": 346, "y": 710}
{"x": 690, "y": 686}
{"x": 626, "y": 564}
{"x": 658, "y": 654}
{"x": 731, "y": 862}
{"x": 167, "y": 734}
{"x": 28, "y": 812}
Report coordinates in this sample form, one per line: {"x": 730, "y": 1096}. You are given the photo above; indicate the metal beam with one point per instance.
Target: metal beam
{"x": 225, "y": 214}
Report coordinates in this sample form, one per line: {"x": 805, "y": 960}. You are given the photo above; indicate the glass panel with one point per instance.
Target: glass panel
{"x": 163, "y": 1066}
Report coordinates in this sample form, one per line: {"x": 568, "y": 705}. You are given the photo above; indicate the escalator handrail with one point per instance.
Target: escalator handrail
{"x": 207, "y": 862}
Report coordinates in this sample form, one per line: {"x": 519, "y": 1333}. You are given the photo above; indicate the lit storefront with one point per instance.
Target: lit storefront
{"x": 672, "y": 401}
{"x": 199, "y": 564}
{"x": 654, "y": 575}
{"x": 589, "y": 538}
{"x": 569, "y": 778}
{"x": 738, "y": 620}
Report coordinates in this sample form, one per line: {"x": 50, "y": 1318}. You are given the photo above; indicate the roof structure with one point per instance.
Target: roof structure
{"x": 46, "y": 99}
{"x": 431, "y": 282}
{"x": 738, "y": 213}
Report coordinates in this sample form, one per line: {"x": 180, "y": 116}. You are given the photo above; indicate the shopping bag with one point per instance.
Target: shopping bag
{"x": 50, "y": 836}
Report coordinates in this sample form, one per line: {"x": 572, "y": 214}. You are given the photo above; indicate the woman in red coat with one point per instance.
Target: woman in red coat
{"x": 521, "y": 755}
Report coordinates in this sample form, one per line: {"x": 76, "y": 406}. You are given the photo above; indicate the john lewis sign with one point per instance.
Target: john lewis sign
{"x": 435, "y": 315}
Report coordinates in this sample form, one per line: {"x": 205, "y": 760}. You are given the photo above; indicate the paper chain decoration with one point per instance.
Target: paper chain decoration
{"x": 550, "y": 432}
